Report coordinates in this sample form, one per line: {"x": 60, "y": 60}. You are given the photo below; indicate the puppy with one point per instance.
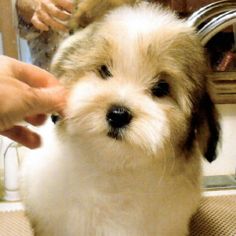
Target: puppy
{"x": 125, "y": 161}
{"x": 87, "y": 11}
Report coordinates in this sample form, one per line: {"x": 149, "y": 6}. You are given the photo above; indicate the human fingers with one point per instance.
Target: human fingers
{"x": 36, "y": 120}
{"x": 15, "y": 97}
{"x": 45, "y": 100}
{"x": 49, "y": 21}
{"x": 38, "y": 24}
{"x": 54, "y": 11}
{"x": 27, "y": 73}
{"x": 67, "y": 5}
{"x": 19, "y": 101}
{"x": 23, "y": 135}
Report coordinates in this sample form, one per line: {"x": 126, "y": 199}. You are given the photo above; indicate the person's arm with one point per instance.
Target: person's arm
{"x": 26, "y": 93}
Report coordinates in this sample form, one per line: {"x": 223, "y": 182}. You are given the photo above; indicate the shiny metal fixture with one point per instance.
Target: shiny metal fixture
{"x": 218, "y": 16}
{"x": 209, "y": 11}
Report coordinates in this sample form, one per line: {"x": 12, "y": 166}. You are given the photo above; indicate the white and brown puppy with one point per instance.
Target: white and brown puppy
{"x": 126, "y": 159}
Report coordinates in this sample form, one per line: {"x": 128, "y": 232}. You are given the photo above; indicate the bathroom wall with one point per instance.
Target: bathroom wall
{"x": 226, "y": 161}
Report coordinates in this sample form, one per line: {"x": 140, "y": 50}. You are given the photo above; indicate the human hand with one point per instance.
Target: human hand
{"x": 51, "y": 13}
{"x": 26, "y": 93}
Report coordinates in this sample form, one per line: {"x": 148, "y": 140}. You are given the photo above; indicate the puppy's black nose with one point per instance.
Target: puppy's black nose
{"x": 118, "y": 116}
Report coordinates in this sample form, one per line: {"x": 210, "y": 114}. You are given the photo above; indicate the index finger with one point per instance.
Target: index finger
{"x": 32, "y": 75}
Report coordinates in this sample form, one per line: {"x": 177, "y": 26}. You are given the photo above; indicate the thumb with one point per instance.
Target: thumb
{"x": 48, "y": 100}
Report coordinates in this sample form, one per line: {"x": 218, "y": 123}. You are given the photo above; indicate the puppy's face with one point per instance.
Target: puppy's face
{"x": 138, "y": 86}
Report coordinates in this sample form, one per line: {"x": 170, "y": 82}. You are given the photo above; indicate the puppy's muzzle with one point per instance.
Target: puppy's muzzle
{"x": 118, "y": 117}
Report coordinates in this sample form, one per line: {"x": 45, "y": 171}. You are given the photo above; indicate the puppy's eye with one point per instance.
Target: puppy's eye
{"x": 161, "y": 89}
{"x": 104, "y": 72}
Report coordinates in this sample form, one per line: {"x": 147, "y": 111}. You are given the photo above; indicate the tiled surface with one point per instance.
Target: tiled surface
{"x": 215, "y": 217}
{"x": 14, "y": 224}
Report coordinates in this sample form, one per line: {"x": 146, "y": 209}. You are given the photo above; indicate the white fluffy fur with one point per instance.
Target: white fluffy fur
{"x": 82, "y": 182}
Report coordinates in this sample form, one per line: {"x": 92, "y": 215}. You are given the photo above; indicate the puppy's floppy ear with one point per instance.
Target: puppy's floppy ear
{"x": 207, "y": 127}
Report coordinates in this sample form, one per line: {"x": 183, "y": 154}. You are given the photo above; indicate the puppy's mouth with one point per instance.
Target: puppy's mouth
{"x": 118, "y": 118}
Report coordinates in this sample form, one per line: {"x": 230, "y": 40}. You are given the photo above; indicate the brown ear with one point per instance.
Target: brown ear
{"x": 207, "y": 127}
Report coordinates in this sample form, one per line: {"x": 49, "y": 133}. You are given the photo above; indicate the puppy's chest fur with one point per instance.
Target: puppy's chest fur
{"x": 144, "y": 203}
{"x": 155, "y": 200}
